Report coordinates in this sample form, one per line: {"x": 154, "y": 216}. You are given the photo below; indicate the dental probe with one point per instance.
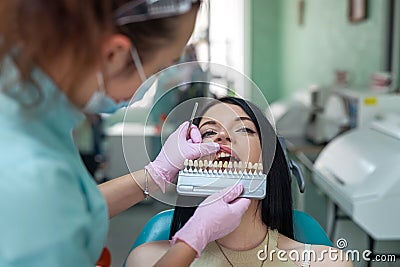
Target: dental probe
{"x": 192, "y": 118}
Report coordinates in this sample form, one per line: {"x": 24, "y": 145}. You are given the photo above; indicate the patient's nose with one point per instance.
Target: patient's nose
{"x": 222, "y": 137}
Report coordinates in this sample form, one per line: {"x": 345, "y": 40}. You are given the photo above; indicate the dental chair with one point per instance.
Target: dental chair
{"x": 306, "y": 229}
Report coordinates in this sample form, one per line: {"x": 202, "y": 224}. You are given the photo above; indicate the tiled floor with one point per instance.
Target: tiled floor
{"x": 125, "y": 227}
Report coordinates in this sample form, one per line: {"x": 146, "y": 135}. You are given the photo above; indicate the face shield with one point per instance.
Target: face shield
{"x": 144, "y": 10}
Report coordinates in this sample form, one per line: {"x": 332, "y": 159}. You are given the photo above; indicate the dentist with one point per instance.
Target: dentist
{"x": 58, "y": 59}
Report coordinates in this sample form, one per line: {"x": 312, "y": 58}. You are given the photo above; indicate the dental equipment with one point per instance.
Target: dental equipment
{"x": 203, "y": 178}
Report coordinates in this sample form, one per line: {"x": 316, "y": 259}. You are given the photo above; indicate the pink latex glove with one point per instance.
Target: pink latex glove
{"x": 176, "y": 149}
{"x": 217, "y": 216}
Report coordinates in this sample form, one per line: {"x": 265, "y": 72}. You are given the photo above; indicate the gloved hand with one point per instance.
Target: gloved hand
{"x": 176, "y": 149}
{"x": 217, "y": 216}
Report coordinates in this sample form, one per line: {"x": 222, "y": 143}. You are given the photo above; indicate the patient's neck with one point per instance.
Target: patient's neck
{"x": 249, "y": 234}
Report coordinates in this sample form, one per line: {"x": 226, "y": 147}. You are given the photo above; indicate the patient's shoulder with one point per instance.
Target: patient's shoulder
{"x": 147, "y": 254}
{"x": 320, "y": 255}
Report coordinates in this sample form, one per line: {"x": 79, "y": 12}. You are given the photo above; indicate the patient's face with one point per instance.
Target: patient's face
{"x": 229, "y": 126}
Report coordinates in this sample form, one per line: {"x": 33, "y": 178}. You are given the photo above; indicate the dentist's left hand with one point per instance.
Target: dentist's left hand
{"x": 176, "y": 149}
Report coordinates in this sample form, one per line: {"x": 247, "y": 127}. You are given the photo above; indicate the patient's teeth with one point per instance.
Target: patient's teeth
{"x": 223, "y": 154}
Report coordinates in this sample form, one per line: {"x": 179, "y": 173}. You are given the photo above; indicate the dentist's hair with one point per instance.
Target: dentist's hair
{"x": 276, "y": 207}
{"x": 43, "y": 31}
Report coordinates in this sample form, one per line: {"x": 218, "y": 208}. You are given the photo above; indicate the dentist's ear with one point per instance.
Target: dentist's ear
{"x": 116, "y": 51}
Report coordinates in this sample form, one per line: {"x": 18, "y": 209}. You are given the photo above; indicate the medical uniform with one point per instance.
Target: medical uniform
{"x": 51, "y": 211}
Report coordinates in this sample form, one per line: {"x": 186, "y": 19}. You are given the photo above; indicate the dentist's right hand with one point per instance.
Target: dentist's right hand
{"x": 176, "y": 149}
{"x": 217, "y": 216}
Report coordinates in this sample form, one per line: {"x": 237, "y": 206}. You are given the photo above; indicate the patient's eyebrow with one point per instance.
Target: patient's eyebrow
{"x": 243, "y": 119}
{"x": 208, "y": 122}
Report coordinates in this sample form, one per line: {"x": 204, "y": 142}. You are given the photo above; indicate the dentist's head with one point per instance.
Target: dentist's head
{"x": 98, "y": 52}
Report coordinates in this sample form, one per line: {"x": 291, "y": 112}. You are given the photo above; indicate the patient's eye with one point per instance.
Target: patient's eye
{"x": 208, "y": 133}
{"x": 245, "y": 130}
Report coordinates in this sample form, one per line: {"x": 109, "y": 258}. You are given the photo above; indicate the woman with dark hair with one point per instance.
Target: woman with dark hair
{"x": 242, "y": 129}
{"x": 59, "y": 59}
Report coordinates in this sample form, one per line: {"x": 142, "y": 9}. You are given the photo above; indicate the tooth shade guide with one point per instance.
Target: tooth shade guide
{"x": 223, "y": 167}
{"x": 197, "y": 180}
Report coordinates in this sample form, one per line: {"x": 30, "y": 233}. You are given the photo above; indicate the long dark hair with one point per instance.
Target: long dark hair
{"x": 276, "y": 207}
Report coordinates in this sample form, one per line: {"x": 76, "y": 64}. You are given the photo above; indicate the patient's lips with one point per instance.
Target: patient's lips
{"x": 226, "y": 154}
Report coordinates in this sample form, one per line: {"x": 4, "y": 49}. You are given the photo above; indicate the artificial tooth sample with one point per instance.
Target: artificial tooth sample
{"x": 211, "y": 166}
{"x": 215, "y": 167}
{"x": 225, "y": 167}
{"x": 230, "y": 167}
{"x": 255, "y": 167}
{"x": 201, "y": 166}
{"x": 196, "y": 164}
{"x": 185, "y": 164}
{"x": 260, "y": 168}
{"x": 249, "y": 166}
{"x": 190, "y": 165}
{"x": 205, "y": 166}
{"x": 220, "y": 167}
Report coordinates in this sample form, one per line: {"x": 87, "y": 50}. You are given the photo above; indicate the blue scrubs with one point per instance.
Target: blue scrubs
{"x": 51, "y": 211}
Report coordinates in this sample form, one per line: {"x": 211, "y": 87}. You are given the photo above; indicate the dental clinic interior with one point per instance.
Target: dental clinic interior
{"x": 329, "y": 71}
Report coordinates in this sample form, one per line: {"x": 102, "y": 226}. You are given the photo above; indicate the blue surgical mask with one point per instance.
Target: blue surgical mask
{"x": 100, "y": 102}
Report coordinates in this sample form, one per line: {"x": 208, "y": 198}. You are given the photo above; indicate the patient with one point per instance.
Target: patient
{"x": 267, "y": 226}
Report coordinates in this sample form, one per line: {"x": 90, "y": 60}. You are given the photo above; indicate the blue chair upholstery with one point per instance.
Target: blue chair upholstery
{"x": 157, "y": 228}
{"x": 306, "y": 229}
